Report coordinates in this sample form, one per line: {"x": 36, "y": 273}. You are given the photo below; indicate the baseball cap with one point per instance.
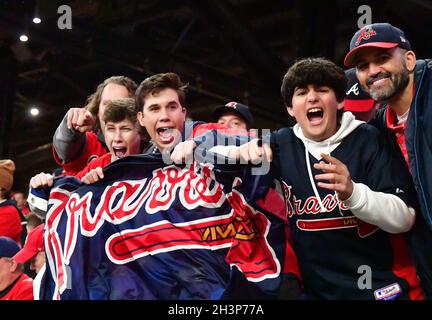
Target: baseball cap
{"x": 356, "y": 99}
{"x": 235, "y": 107}
{"x": 378, "y": 35}
{"x": 33, "y": 245}
{"x": 8, "y": 247}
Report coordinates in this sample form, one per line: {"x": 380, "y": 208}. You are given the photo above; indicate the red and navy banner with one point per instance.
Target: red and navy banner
{"x": 150, "y": 231}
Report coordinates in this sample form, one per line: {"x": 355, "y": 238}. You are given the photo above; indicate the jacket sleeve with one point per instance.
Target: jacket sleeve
{"x": 383, "y": 193}
{"x": 383, "y": 210}
{"x": 68, "y": 143}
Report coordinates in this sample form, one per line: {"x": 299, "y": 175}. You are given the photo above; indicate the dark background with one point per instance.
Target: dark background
{"x": 226, "y": 49}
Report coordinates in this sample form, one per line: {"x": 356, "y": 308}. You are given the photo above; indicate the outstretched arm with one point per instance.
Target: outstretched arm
{"x": 69, "y": 138}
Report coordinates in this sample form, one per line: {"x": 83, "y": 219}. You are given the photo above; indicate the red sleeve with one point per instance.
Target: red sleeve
{"x": 10, "y": 223}
{"x": 93, "y": 148}
{"x": 102, "y": 162}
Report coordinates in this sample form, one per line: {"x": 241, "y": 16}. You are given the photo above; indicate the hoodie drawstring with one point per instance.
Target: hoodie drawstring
{"x": 347, "y": 125}
{"x": 311, "y": 178}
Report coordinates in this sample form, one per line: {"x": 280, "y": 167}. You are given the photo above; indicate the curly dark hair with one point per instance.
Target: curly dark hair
{"x": 157, "y": 83}
{"x": 315, "y": 71}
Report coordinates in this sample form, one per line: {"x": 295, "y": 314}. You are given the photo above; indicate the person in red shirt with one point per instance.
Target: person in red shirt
{"x": 123, "y": 136}
{"x": 21, "y": 203}
{"x": 14, "y": 284}
{"x": 34, "y": 251}
{"x": 79, "y": 137}
{"x": 10, "y": 217}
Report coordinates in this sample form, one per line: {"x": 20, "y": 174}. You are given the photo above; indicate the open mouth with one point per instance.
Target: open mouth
{"x": 166, "y": 134}
{"x": 315, "y": 115}
{"x": 120, "y": 152}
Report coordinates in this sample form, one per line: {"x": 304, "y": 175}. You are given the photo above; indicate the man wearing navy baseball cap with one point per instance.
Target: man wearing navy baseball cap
{"x": 234, "y": 115}
{"x": 377, "y": 35}
{"x": 389, "y": 72}
{"x": 14, "y": 284}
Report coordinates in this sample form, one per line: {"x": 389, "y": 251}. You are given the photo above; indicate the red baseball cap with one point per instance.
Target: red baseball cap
{"x": 356, "y": 100}
{"x": 33, "y": 245}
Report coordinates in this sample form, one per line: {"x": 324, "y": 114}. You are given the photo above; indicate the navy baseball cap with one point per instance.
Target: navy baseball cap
{"x": 356, "y": 99}
{"x": 8, "y": 247}
{"x": 378, "y": 35}
{"x": 235, "y": 107}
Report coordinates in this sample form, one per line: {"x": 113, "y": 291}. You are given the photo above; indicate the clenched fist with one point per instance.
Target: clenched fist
{"x": 80, "y": 119}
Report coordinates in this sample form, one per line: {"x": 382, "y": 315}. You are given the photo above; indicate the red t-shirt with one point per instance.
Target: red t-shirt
{"x": 10, "y": 221}
{"x": 21, "y": 289}
{"x": 102, "y": 162}
{"x": 92, "y": 149}
{"x": 398, "y": 130}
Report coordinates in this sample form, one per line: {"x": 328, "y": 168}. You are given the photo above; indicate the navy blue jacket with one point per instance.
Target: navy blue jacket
{"x": 418, "y": 135}
{"x": 418, "y": 140}
{"x": 332, "y": 246}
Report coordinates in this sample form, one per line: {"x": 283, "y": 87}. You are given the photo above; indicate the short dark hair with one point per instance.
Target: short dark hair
{"x": 157, "y": 83}
{"x": 94, "y": 99}
{"x": 122, "y": 109}
{"x": 315, "y": 71}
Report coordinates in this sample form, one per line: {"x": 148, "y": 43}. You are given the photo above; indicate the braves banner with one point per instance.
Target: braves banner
{"x": 151, "y": 231}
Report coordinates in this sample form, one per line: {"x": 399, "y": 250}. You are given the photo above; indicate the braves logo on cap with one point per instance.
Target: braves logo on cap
{"x": 354, "y": 89}
{"x": 231, "y": 105}
{"x": 365, "y": 35}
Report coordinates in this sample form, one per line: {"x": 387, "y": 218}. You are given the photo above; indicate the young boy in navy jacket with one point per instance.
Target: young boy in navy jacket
{"x": 349, "y": 198}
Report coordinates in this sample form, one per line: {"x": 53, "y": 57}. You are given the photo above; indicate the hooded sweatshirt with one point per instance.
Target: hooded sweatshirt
{"x": 346, "y": 250}
{"x": 384, "y": 210}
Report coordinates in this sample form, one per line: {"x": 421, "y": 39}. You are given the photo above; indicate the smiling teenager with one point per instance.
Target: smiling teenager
{"x": 123, "y": 137}
{"x": 349, "y": 197}
{"x": 74, "y": 142}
